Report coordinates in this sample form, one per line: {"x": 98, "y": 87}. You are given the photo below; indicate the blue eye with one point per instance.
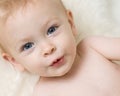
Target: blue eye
{"x": 52, "y": 30}
{"x": 27, "y": 46}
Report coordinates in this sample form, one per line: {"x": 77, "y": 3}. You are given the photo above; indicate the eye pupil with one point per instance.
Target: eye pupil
{"x": 52, "y": 29}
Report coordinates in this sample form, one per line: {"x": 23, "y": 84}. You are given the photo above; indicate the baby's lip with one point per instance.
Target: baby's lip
{"x": 56, "y": 61}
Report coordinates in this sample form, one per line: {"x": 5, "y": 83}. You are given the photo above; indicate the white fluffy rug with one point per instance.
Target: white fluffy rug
{"x": 99, "y": 17}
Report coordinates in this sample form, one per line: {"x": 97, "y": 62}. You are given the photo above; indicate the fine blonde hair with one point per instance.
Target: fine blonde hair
{"x": 7, "y": 7}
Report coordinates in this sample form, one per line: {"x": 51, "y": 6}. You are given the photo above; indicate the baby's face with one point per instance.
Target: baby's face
{"x": 41, "y": 39}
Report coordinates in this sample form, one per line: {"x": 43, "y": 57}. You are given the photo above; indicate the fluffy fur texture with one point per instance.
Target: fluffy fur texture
{"x": 99, "y": 17}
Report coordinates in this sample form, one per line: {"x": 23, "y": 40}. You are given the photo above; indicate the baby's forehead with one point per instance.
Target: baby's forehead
{"x": 39, "y": 4}
{"x": 30, "y": 8}
{"x": 7, "y": 7}
{"x": 53, "y": 3}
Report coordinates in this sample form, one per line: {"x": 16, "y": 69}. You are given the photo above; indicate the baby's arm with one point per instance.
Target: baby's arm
{"x": 106, "y": 46}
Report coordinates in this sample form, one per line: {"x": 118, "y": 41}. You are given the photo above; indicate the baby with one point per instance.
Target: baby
{"x": 39, "y": 36}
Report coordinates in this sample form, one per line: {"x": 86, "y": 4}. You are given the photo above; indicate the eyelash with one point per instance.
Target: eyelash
{"x": 29, "y": 45}
{"x": 51, "y": 30}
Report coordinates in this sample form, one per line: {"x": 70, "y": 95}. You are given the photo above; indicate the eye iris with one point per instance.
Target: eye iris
{"x": 51, "y": 30}
{"x": 28, "y": 45}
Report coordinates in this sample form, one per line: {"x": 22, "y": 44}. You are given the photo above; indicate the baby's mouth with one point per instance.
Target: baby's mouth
{"x": 58, "y": 62}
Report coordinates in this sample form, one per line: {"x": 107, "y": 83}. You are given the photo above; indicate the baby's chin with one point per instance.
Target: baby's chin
{"x": 56, "y": 75}
{"x": 60, "y": 74}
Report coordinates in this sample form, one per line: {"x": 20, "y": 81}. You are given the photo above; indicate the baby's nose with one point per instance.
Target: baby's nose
{"x": 48, "y": 49}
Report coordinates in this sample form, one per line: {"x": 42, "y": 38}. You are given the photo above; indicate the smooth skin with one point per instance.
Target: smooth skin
{"x": 44, "y": 34}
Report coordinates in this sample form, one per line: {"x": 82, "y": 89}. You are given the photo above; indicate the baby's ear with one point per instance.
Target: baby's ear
{"x": 12, "y": 61}
{"x": 71, "y": 22}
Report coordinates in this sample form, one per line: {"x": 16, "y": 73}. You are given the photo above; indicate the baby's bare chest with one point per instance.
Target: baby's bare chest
{"x": 96, "y": 77}
{"x": 84, "y": 87}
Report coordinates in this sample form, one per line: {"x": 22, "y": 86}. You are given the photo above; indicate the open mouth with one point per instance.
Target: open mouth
{"x": 58, "y": 62}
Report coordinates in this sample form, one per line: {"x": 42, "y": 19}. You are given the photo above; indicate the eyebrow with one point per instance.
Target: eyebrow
{"x": 48, "y": 20}
{"x": 26, "y": 39}
{"x": 21, "y": 42}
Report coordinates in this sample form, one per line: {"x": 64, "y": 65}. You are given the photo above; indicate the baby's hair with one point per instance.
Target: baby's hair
{"x": 7, "y": 7}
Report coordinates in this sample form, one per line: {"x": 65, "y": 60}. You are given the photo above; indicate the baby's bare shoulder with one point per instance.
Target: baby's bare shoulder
{"x": 84, "y": 46}
{"x": 108, "y": 47}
